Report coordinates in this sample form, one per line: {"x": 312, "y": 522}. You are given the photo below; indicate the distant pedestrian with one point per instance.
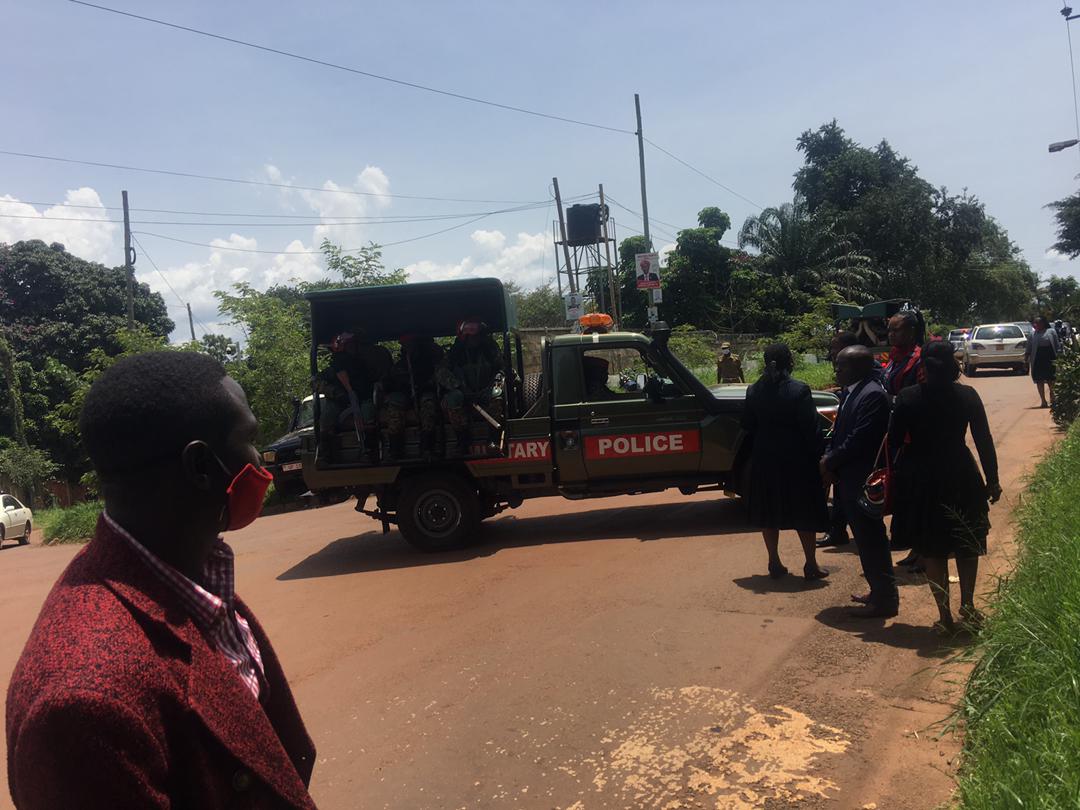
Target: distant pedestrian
{"x": 784, "y": 490}
{"x": 1043, "y": 349}
{"x": 857, "y": 438}
{"x": 729, "y": 366}
{"x": 940, "y": 499}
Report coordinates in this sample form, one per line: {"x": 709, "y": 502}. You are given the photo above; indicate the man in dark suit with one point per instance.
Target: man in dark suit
{"x": 146, "y": 682}
{"x": 861, "y": 424}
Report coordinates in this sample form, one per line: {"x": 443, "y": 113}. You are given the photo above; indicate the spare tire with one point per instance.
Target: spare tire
{"x": 532, "y": 388}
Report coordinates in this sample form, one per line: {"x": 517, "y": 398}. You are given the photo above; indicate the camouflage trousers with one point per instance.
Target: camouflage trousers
{"x": 397, "y": 407}
{"x": 459, "y": 411}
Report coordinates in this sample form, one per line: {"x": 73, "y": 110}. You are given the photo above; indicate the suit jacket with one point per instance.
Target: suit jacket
{"x": 860, "y": 427}
{"x": 119, "y": 701}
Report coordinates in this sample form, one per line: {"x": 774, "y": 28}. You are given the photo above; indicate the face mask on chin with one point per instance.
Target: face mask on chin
{"x": 244, "y": 495}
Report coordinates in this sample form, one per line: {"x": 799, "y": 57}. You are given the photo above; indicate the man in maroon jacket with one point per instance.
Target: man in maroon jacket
{"x": 146, "y": 682}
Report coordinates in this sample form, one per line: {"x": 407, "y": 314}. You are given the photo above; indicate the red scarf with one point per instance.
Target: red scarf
{"x": 901, "y": 361}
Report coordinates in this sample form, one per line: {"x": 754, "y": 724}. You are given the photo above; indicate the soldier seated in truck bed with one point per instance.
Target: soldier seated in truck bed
{"x": 411, "y": 391}
{"x": 356, "y": 368}
{"x": 472, "y": 378}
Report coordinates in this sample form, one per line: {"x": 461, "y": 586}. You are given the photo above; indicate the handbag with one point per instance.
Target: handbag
{"x": 876, "y": 498}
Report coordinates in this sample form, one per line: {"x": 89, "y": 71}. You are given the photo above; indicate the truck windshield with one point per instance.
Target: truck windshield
{"x": 306, "y": 417}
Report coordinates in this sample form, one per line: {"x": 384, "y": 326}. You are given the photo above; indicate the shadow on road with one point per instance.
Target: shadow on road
{"x": 922, "y": 639}
{"x": 792, "y": 583}
{"x": 374, "y": 551}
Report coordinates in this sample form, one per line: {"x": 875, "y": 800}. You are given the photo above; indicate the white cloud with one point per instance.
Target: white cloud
{"x": 1055, "y": 256}
{"x": 521, "y": 262}
{"x": 224, "y": 266}
{"x": 83, "y": 231}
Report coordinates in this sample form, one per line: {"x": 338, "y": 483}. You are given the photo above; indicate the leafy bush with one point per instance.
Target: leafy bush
{"x": 695, "y": 351}
{"x": 74, "y": 524}
{"x": 1022, "y": 705}
{"x": 1067, "y": 388}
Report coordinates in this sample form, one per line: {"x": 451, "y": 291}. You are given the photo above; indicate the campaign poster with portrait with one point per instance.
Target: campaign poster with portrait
{"x": 648, "y": 270}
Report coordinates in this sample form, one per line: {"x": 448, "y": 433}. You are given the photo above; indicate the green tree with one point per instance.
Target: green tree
{"x": 1059, "y": 297}
{"x": 56, "y": 311}
{"x": 221, "y": 348}
{"x": 275, "y": 366}
{"x": 923, "y": 243}
{"x": 25, "y": 468}
{"x": 541, "y": 306}
{"x": 364, "y": 269}
{"x": 1067, "y": 216}
{"x": 808, "y": 249}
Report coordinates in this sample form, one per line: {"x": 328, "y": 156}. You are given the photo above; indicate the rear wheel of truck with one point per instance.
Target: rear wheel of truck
{"x": 438, "y": 512}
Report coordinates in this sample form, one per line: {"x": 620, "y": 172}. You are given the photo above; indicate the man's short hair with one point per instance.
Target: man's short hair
{"x": 146, "y": 408}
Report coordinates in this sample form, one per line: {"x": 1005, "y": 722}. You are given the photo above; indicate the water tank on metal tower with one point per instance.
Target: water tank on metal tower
{"x": 584, "y": 222}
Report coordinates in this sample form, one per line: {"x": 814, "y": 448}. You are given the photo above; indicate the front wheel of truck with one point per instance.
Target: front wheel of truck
{"x": 438, "y": 512}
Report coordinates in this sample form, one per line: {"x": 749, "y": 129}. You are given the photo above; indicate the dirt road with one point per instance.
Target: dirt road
{"x": 628, "y": 652}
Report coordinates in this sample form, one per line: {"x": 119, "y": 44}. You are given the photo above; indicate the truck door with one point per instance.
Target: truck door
{"x": 629, "y": 433}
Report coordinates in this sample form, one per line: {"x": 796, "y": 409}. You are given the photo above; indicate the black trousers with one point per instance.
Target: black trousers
{"x": 838, "y": 522}
{"x": 873, "y": 546}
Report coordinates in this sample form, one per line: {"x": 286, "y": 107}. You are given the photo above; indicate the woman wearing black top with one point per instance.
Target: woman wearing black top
{"x": 940, "y": 500}
{"x": 784, "y": 490}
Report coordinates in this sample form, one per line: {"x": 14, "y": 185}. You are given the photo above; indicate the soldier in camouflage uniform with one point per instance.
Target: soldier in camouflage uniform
{"x": 413, "y": 378}
{"x": 472, "y": 375}
{"x": 356, "y": 368}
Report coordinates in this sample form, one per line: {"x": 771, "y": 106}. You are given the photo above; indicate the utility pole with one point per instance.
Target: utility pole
{"x": 615, "y": 303}
{"x": 191, "y": 323}
{"x": 571, "y": 279}
{"x": 641, "y": 161}
{"x": 129, "y": 265}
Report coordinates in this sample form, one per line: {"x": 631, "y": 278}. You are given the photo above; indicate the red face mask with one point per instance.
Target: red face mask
{"x": 245, "y": 494}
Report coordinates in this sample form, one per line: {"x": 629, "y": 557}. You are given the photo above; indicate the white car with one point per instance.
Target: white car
{"x": 15, "y": 520}
{"x": 995, "y": 345}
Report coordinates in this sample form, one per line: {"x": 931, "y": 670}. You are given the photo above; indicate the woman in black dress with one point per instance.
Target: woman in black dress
{"x": 784, "y": 488}
{"x": 940, "y": 500}
{"x": 1043, "y": 349}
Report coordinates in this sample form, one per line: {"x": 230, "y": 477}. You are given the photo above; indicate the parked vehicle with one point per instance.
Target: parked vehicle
{"x": 652, "y": 426}
{"x": 1027, "y": 328}
{"x": 995, "y": 345}
{"x": 15, "y": 520}
{"x": 957, "y": 338}
{"x": 281, "y": 458}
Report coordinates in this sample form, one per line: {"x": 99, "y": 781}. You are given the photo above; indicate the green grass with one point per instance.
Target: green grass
{"x": 1022, "y": 705}
{"x": 72, "y": 525}
{"x": 817, "y": 375}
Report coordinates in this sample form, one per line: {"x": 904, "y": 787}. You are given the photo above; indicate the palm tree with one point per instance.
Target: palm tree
{"x": 792, "y": 242}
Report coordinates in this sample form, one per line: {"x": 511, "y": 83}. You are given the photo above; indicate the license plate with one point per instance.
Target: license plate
{"x": 296, "y": 465}
{"x": 1001, "y": 348}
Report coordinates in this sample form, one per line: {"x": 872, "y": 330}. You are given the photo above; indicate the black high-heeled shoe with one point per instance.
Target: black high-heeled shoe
{"x": 777, "y": 571}
{"x": 811, "y": 574}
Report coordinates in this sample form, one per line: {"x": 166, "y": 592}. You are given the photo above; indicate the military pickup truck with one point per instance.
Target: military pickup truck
{"x": 570, "y": 429}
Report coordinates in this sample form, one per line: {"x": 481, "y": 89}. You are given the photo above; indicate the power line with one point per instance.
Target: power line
{"x": 153, "y": 264}
{"x": 318, "y": 217}
{"x": 358, "y": 72}
{"x": 311, "y": 252}
{"x": 694, "y": 169}
{"x": 266, "y": 183}
{"x": 59, "y": 219}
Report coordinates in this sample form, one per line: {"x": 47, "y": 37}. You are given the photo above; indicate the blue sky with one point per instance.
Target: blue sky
{"x": 971, "y": 92}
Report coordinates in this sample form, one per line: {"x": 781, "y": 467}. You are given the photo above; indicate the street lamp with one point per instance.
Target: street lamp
{"x": 1057, "y": 146}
